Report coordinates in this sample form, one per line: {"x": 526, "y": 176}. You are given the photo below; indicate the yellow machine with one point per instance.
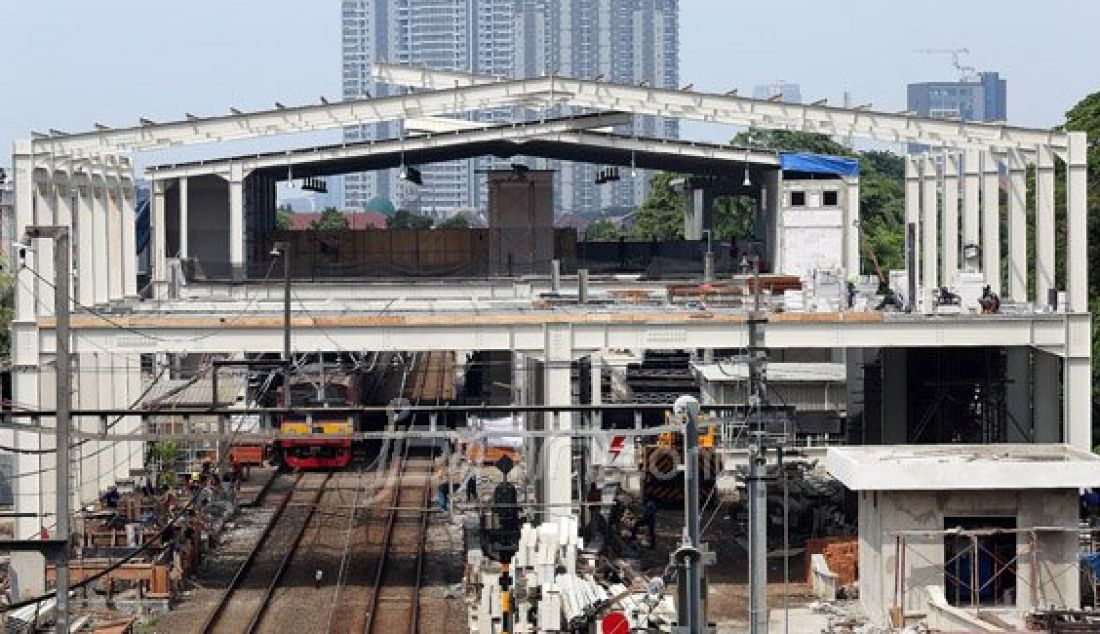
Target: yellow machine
{"x": 662, "y": 473}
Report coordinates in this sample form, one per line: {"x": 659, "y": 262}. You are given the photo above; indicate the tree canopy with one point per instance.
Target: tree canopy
{"x": 331, "y": 220}
{"x": 405, "y": 219}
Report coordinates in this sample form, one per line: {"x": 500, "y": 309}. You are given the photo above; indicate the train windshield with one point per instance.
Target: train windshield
{"x": 306, "y": 395}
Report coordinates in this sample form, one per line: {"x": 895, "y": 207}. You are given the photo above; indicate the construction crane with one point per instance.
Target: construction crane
{"x": 966, "y": 73}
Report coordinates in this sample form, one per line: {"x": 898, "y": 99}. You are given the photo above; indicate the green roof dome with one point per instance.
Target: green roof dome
{"x": 380, "y": 205}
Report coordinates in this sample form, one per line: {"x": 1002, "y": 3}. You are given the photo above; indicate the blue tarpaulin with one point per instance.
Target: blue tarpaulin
{"x": 818, "y": 164}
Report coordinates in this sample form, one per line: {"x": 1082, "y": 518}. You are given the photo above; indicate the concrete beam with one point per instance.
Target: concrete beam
{"x": 589, "y": 332}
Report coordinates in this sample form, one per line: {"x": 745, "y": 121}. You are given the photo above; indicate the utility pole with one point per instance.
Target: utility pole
{"x": 690, "y": 552}
{"x": 756, "y": 484}
{"x": 61, "y": 256}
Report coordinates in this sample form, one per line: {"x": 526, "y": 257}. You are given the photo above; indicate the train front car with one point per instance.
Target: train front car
{"x": 316, "y": 452}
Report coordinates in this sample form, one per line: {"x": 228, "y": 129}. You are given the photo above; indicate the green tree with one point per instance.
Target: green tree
{"x": 661, "y": 216}
{"x": 331, "y": 220}
{"x": 284, "y": 219}
{"x": 7, "y": 305}
{"x": 790, "y": 141}
{"x": 458, "y": 221}
{"x": 604, "y": 230}
{"x": 405, "y": 219}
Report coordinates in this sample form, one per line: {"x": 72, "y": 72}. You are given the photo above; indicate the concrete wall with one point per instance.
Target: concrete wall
{"x": 882, "y": 514}
{"x": 812, "y": 236}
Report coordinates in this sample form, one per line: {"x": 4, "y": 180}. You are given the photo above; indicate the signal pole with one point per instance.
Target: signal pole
{"x": 61, "y": 260}
{"x": 756, "y": 485}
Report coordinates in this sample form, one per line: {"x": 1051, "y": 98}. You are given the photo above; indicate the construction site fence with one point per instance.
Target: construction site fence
{"x": 459, "y": 253}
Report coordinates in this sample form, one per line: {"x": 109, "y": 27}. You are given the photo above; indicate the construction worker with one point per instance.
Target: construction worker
{"x": 649, "y": 520}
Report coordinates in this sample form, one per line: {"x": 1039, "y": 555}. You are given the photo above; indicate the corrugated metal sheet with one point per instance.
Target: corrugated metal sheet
{"x": 185, "y": 393}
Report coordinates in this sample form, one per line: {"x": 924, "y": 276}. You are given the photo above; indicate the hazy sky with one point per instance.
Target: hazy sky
{"x": 69, "y": 63}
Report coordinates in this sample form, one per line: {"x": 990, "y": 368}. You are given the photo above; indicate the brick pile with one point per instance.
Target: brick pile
{"x": 843, "y": 559}
{"x": 841, "y": 553}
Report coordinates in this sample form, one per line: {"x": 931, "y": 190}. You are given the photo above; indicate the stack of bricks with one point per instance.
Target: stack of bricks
{"x": 843, "y": 559}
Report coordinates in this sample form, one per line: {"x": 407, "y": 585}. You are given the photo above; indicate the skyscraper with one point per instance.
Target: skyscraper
{"x": 983, "y": 99}
{"x": 625, "y": 41}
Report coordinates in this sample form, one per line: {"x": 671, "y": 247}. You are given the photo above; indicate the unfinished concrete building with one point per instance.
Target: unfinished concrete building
{"x": 959, "y": 391}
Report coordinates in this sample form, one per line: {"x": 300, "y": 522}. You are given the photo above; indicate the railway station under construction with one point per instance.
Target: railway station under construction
{"x": 484, "y": 417}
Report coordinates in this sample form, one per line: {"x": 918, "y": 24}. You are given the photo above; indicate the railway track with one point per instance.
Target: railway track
{"x": 243, "y": 605}
{"x": 395, "y": 597}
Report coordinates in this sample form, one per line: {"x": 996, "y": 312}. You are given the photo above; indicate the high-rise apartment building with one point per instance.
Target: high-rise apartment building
{"x": 623, "y": 41}
{"x": 983, "y": 99}
{"x": 787, "y": 92}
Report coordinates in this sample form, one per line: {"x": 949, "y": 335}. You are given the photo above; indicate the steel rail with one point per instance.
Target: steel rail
{"x": 383, "y": 553}
{"x": 246, "y": 566}
{"x": 285, "y": 563}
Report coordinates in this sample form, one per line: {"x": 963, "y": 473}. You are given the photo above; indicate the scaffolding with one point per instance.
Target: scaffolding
{"x": 1038, "y": 585}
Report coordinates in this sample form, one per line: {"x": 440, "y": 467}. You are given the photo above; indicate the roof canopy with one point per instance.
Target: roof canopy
{"x": 962, "y": 467}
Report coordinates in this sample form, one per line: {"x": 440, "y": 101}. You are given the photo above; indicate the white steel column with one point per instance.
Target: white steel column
{"x": 912, "y": 215}
{"x": 972, "y": 187}
{"x": 42, "y": 263}
{"x": 30, "y": 568}
{"x": 183, "y": 217}
{"x": 157, "y": 261}
{"x": 852, "y": 229}
{"x": 236, "y": 222}
{"x": 99, "y": 239}
{"x": 64, "y": 217}
{"x": 114, "y": 240}
{"x": 1017, "y": 227}
{"x": 129, "y": 240}
{"x": 950, "y": 248}
{"x": 557, "y": 451}
{"x": 991, "y": 222}
{"x": 1044, "y": 225}
{"x": 1077, "y": 272}
{"x": 85, "y": 260}
{"x": 1077, "y": 372}
{"x": 133, "y": 393}
{"x": 929, "y": 229}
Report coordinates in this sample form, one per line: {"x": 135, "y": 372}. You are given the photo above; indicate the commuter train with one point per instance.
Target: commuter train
{"x": 317, "y": 388}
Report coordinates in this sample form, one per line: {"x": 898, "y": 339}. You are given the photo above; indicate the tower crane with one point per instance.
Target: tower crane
{"x": 966, "y": 72}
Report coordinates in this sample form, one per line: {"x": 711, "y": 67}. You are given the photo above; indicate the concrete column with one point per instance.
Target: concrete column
{"x": 87, "y": 397}
{"x": 1017, "y": 227}
{"x": 912, "y": 212}
{"x": 697, "y": 216}
{"x": 950, "y": 247}
{"x": 853, "y": 229}
{"x": 929, "y": 227}
{"x": 1018, "y": 399}
{"x": 29, "y": 568}
{"x": 99, "y": 240}
{"x": 85, "y": 248}
{"x": 183, "y": 187}
{"x": 133, "y": 423}
{"x": 1077, "y": 273}
{"x": 114, "y": 241}
{"x": 1076, "y": 396}
{"x": 991, "y": 222}
{"x": 158, "y": 261}
{"x": 972, "y": 180}
{"x": 557, "y": 451}
{"x": 105, "y": 461}
{"x": 1046, "y": 397}
{"x": 236, "y": 222}
{"x": 1044, "y": 225}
